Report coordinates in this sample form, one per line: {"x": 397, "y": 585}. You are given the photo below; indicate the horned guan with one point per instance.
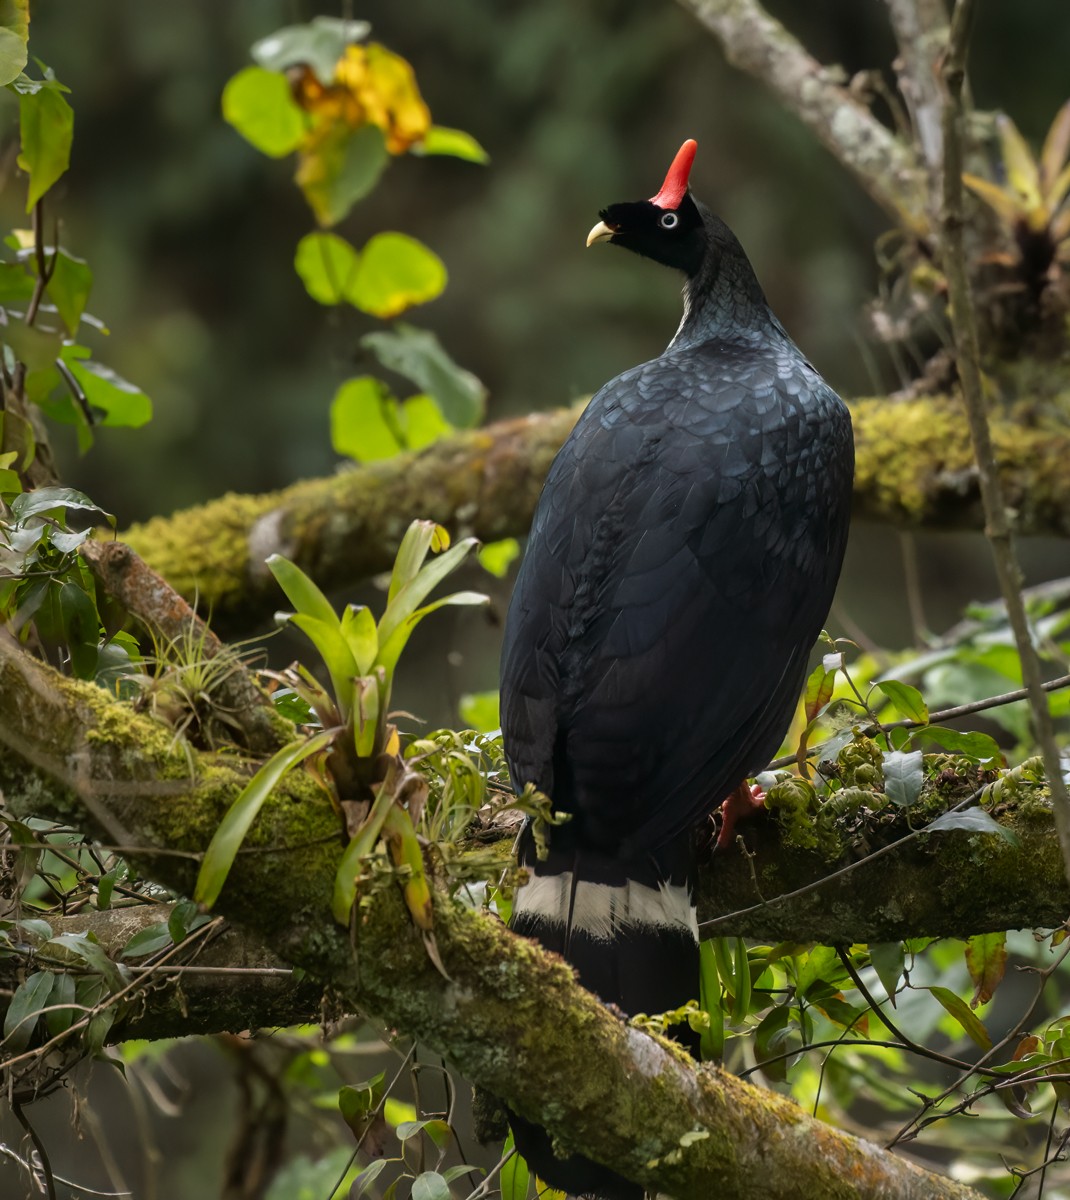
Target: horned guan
{"x": 681, "y": 563}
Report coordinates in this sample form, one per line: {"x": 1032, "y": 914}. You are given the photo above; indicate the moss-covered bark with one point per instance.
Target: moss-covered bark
{"x": 508, "y": 1015}
{"x": 914, "y": 470}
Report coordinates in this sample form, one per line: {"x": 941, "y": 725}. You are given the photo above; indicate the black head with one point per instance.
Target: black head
{"x": 667, "y": 228}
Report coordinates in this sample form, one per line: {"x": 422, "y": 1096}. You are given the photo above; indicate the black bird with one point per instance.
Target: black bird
{"x": 682, "y": 561}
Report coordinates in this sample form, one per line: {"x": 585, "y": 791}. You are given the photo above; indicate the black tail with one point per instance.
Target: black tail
{"x": 629, "y": 929}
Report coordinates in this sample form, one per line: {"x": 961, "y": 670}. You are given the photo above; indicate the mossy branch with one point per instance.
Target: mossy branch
{"x": 915, "y": 469}
{"x": 510, "y": 1016}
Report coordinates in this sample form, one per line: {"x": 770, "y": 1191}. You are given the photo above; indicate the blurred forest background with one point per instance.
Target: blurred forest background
{"x": 191, "y": 234}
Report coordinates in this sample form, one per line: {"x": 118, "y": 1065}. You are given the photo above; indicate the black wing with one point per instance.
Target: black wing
{"x": 681, "y": 563}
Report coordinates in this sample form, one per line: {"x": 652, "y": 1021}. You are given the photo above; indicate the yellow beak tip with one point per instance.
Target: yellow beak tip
{"x": 600, "y": 233}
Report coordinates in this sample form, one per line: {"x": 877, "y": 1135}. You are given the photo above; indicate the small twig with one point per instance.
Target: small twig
{"x": 39, "y": 1146}
{"x": 964, "y": 327}
{"x": 885, "y": 165}
{"x": 946, "y": 714}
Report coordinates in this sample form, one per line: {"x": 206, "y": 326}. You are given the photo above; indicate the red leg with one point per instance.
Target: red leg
{"x": 742, "y": 803}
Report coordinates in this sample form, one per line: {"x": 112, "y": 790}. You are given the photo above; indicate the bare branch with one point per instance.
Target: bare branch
{"x": 964, "y": 327}
{"x": 921, "y": 30}
{"x": 885, "y": 166}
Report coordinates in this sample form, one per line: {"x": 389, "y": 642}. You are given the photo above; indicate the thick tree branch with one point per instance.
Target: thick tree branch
{"x": 885, "y": 166}
{"x": 914, "y": 469}
{"x": 67, "y": 750}
{"x": 921, "y": 30}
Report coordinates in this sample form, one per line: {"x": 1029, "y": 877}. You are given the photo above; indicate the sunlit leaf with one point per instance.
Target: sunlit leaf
{"x": 14, "y": 34}
{"x": 986, "y": 960}
{"x": 358, "y": 629}
{"x": 418, "y": 355}
{"x": 1019, "y": 163}
{"x": 422, "y": 422}
{"x": 455, "y": 142}
{"x": 480, "y": 711}
{"x": 227, "y": 840}
{"x": 259, "y": 105}
{"x": 120, "y": 402}
{"x": 978, "y": 746}
{"x": 903, "y": 776}
{"x": 960, "y": 1010}
{"x": 419, "y": 538}
{"x": 712, "y": 1038}
{"x": 906, "y": 700}
{"x": 327, "y": 265}
{"x": 68, "y": 288}
{"x": 1054, "y": 155}
{"x": 498, "y": 557}
{"x": 514, "y": 1177}
{"x": 394, "y": 273}
{"x": 364, "y": 420}
{"x": 46, "y": 128}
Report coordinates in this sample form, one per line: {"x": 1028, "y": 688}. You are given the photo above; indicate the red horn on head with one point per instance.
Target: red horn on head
{"x": 674, "y": 188}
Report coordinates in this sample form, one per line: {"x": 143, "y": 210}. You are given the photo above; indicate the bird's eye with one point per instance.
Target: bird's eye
{"x": 669, "y": 220}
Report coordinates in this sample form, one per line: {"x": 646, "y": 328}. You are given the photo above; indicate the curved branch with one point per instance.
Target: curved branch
{"x": 510, "y": 1016}
{"x": 885, "y": 166}
{"x": 914, "y": 469}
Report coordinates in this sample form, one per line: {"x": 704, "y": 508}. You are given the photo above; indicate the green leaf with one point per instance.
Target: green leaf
{"x": 403, "y": 602}
{"x": 49, "y": 499}
{"x": 261, "y": 107}
{"x": 391, "y": 648}
{"x": 497, "y": 557}
{"x": 741, "y": 1005}
{"x": 37, "y": 348}
{"x": 360, "y": 846}
{"x": 420, "y": 537}
{"x": 341, "y": 169}
{"x": 430, "y": 1186}
{"x": 81, "y": 628}
{"x": 334, "y": 650}
{"x": 121, "y": 403}
{"x": 14, "y": 35}
{"x": 514, "y": 1176}
{"x": 227, "y": 840}
{"x": 105, "y": 887}
{"x": 63, "y": 992}
{"x": 973, "y": 820}
{"x": 16, "y": 283}
{"x": 358, "y": 629}
{"x": 148, "y": 940}
{"x": 480, "y": 711}
{"x": 69, "y": 288}
{"x": 21, "y": 1018}
{"x": 301, "y": 591}
{"x": 185, "y": 917}
{"x": 422, "y": 422}
{"x": 960, "y": 1010}
{"x": 888, "y": 959}
{"x": 771, "y": 1040}
{"x": 711, "y": 1039}
{"x": 364, "y": 424}
{"x": 436, "y": 1129}
{"x": 455, "y": 142}
{"x": 986, "y": 960}
{"x": 903, "y": 776}
{"x": 978, "y": 746}
{"x": 417, "y": 355}
{"x": 327, "y": 265}
{"x": 906, "y": 700}
{"x": 46, "y": 125}
{"x": 88, "y": 949}
{"x": 367, "y": 1177}
{"x": 395, "y": 272}
{"x": 319, "y": 45}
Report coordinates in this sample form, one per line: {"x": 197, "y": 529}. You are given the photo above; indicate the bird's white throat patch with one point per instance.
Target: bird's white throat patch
{"x": 601, "y": 910}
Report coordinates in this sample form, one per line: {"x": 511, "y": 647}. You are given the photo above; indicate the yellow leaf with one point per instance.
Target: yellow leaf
{"x": 1055, "y": 153}
{"x": 1006, "y": 204}
{"x": 403, "y": 116}
{"x": 1022, "y": 173}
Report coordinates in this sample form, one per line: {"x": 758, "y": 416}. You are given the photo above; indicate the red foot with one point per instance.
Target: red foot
{"x": 740, "y": 804}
